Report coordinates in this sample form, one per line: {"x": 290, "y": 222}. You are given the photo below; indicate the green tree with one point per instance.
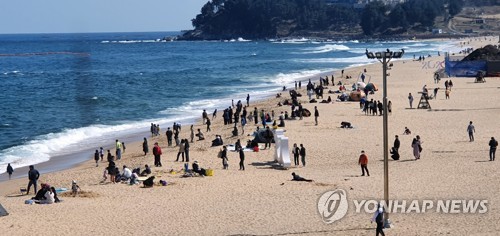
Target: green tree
{"x": 455, "y": 7}
{"x": 373, "y": 17}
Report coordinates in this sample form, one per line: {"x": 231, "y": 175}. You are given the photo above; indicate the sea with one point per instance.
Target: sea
{"x": 68, "y": 94}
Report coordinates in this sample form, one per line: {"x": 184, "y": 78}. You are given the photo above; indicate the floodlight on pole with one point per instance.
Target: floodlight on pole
{"x": 384, "y": 58}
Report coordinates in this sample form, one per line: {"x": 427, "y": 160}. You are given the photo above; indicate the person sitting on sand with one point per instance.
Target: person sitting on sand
{"x": 56, "y": 199}
{"x": 235, "y": 130}
{"x": 407, "y": 131}
{"x": 149, "y": 182}
{"x": 200, "y": 135}
{"x": 146, "y": 171}
{"x": 40, "y": 195}
{"x": 275, "y": 125}
{"x": 197, "y": 169}
{"x": 134, "y": 179}
{"x": 118, "y": 176}
{"x": 298, "y": 178}
{"x": 126, "y": 172}
{"x": 49, "y": 197}
{"x": 282, "y": 120}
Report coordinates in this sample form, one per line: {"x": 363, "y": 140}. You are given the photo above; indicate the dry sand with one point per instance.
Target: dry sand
{"x": 263, "y": 201}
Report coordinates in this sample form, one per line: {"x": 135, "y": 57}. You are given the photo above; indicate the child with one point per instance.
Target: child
{"x": 105, "y": 175}
{"x": 75, "y": 188}
{"x": 123, "y": 145}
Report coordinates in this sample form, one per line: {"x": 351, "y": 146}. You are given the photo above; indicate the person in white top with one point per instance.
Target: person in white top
{"x": 49, "y": 197}
{"x": 126, "y": 172}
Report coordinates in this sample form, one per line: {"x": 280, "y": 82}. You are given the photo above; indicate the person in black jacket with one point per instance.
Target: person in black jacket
{"x": 242, "y": 159}
{"x": 33, "y": 176}
{"x": 186, "y": 149}
{"x": 169, "y": 134}
{"x": 493, "y": 148}
{"x": 397, "y": 143}
{"x": 303, "y": 154}
{"x": 316, "y": 115}
{"x": 223, "y": 155}
{"x": 10, "y": 170}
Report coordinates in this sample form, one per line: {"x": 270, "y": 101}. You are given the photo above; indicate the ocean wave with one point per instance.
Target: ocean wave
{"x": 289, "y": 78}
{"x": 325, "y": 48}
{"x": 14, "y": 72}
{"x": 293, "y": 41}
{"x": 136, "y": 41}
{"x": 71, "y": 141}
{"x": 358, "y": 59}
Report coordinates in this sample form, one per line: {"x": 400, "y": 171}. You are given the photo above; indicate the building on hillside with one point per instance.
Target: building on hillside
{"x": 437, "y": 31}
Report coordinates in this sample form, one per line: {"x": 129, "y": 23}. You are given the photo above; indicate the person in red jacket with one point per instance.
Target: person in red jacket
{"x": 157, "y": 154}
{"x": 363, "y": 162}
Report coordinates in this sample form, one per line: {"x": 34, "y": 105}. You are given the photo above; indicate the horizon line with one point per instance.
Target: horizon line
{"x": 94, "y": 32}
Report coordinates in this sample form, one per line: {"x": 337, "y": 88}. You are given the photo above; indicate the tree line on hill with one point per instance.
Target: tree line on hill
{"x": 378, "y": 18}
{"x": 279, "y": 18}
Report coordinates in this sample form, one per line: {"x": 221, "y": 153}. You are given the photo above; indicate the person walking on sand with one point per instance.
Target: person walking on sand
{"x": 118, "y": 150}
{"x": 378, "y": 217}
{"x": 303, "y": 154}
{"x": 223, "y": 156}
{"x": 316, "y": 115}
{"x": 436, "y": 92}
{"x": 192, "y": 133}
{"x": 10, "y": 170}
{"x": 157, "y": 153}
{"x": 296, "y": 153}
{"x": 493, "y": 148}
{"x": 145, "y": 147}
{"x": 268, "y": 134}
{"x": 397, "y": 144}
{"x": 471, "y": 130}
{"x": 96, "y": 158}
{"x": 169, "y": 134}
{"x": 417, "y": 148}
{"x": 410, "y": 99}
{"x": 248, "y": 97}
{"x": 186, "y": 149}
{"x": 363, "y": 162}
{"x": 242, "y": 159}
{"x": 181, "y": 151}
{"x": 101, "y": 153}
{"x": 208, "y": 125}
{"x": 33, "y": 176}
{"x": 204, "y": 116}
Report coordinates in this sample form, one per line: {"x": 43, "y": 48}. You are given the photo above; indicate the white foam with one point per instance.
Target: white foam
{"x": 325, "y": 48}
{"x": 293, "y": 41}
{"x": 71, "y": 141}
{"x": 358, "y": 59}
{"x": 136, "y": 41}
{"x": 240, "y": 39}
{"x": 289, "y": 78}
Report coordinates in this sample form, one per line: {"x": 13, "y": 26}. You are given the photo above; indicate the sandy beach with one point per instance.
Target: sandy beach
{"x": 263, "y": 201}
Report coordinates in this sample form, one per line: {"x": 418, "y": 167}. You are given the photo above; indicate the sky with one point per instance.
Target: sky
{"x": 82, "y": 16}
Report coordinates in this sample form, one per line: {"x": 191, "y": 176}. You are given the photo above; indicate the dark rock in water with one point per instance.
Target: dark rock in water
{"x": 488, "y": 52}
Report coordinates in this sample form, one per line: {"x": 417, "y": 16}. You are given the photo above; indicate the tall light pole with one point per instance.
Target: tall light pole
{"x": 384, "y": 58}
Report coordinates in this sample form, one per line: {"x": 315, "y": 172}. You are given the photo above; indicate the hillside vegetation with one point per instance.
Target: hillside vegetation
{"x": 261, "y": 19}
